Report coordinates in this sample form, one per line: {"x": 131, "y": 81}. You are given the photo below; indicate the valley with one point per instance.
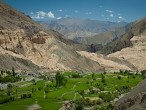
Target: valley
{"x": 90, "y": 58}
{"x": 90, "y": 90}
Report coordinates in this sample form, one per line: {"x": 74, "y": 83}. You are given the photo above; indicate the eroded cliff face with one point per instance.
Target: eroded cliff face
{"x": 134, "y": 54}
{"x": 45, "y": 51}
{"x": 111, "y": 64}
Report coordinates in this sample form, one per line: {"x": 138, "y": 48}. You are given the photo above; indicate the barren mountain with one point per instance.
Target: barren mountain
{"x": 131, "y": 46}
{"x": 111, "y": 64}
{"x": 25, "y": 44}
{"x": 78, "y": 29}
{"x": 106, "y": 36}
{"x": 137, "y": 28}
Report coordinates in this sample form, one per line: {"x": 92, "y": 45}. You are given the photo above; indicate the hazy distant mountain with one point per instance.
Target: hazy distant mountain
{"x": 104, "y": 37}
{"x": 76, "y": 29}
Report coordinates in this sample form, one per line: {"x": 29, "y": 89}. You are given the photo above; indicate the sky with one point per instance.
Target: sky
{"x": 105, "y": 10}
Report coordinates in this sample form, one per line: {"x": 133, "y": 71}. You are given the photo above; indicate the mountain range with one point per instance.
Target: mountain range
{"x": 34, "y": 47}
{"x": 81, "y": 30}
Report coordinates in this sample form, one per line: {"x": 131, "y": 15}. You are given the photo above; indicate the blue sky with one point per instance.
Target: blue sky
{"x": 109, "y": 10}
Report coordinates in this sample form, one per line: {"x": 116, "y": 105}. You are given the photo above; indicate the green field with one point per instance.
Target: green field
{"x": 55, "y": 96}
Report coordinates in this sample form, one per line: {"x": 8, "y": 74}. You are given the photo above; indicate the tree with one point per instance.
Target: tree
{"x": 81, "y": 93}
{"x": 13, "y": 71}
{"x": 57, "y": 79}
{"x": 60, "y": 80}
{"x": 119, "y": 77}
{"x": 93, "y": 75}
{"x": 9, "y": 89}
{"x": 103, "y": 78}
{"x": 46, "y": 90}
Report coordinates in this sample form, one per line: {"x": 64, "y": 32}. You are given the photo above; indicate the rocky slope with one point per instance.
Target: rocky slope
{"x": 123, "y": 41}
{"x": 110, "y": 64}
{"x": 25, "y": 44}
{"x": 134, "y": 100}
{"x": 131, "y": 46}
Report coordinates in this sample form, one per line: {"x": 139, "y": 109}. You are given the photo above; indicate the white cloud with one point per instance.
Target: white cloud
{"x": 60, "y": 10}
{"x": 39, "y": 15}
{"x": 120, "y": 17}
{"x": 111, "y": 15}
{"x": 76, "y": 11}
{"x": 59, "y": 18}
{"x": 50, "y": 15}
{"x": 42, "y": 15}
{"x": 109, "y": 11}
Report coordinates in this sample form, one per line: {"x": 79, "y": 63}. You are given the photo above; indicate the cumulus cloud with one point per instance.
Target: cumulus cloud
{"x": 39, "y": 15}
{"x": 109, "y": 11}
{"x": 42, "y": 15}
{"x": 50, "y": 15}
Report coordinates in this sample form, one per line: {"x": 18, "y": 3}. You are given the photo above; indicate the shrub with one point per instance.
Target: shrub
{"x": 4, "y": 99}
{"x": 23, "y": 96}
{"x": 107, "y": 97}
{"x": 119, "y": 77}
{"x": 39, "y": 88}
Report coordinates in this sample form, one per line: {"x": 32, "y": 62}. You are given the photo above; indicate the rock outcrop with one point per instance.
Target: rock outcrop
{"x": 134, "y": 100}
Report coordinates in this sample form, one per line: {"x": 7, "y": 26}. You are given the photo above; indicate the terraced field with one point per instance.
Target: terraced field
{"x": 88, "y": 86}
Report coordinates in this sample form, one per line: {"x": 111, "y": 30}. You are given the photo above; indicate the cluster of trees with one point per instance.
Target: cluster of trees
{"x": 60, "y": 80}
{"x": 122, "y": 89}
{"x": 8, "y": 97}
{"x": 9, "y": 76}
{"x": 76, "y": 75}
{"x": 5, "y": 99}
{"x": 107, "y": 97}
